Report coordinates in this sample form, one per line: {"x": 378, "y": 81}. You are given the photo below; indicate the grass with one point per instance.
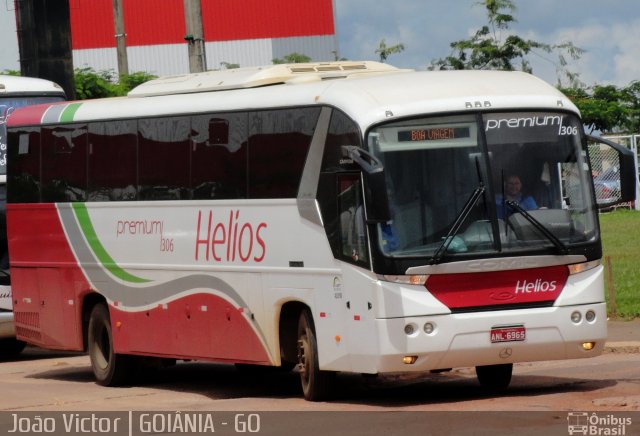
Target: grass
{"x": 621, "y": 243}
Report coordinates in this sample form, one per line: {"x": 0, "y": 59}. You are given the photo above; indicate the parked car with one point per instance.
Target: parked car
{"x": 607, "y": 185}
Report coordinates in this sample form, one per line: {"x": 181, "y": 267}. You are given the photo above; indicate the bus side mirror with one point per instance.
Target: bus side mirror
{"x": 375, "y": 186}
{"x": 616, "y": 179}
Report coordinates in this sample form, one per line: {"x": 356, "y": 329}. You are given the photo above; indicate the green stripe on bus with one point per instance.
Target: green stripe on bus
{"x": 98, "y": 249}
{"x": 68, "y": 113}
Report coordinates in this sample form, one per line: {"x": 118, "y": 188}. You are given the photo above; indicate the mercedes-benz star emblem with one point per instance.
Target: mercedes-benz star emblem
{"x": 506, "y": 353}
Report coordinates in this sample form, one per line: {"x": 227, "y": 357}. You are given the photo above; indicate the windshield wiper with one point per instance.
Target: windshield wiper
{"x": 538, "y": 225}
{"x": 460, "y": 219}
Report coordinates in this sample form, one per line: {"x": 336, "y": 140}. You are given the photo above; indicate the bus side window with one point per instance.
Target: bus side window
{"x": 112, "y": 161}
{"x": 163, "y": 166}
{"x": 219, "y": 156}
{"x": 24, "y": 171}
{"x": 278, "y": 144}
{"x": 64, "y": 163}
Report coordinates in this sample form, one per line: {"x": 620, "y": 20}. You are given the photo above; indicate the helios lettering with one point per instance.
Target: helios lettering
{"x": 527, "y": 287}
{"x": 228, "y": 238}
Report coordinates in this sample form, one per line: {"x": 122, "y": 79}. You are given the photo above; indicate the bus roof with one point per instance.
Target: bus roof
{"x": 17, "y": 85}
{"x": 368, "y": 92}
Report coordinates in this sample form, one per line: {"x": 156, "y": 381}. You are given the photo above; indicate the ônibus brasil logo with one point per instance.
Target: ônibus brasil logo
{"x": 594, "y": 424}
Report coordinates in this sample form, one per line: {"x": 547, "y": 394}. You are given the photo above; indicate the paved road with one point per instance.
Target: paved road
{"x": 544, "y": 398}
{"x": 43, "y": 380}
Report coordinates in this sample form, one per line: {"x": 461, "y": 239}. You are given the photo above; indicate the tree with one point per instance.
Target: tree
{"x": 385, "y": 51}
{"x": 228, "y": 66}
{"x": 292, "y": 58}
{"x": 492, "y": 47}
{"x": 98, "y": 84}
{"x": 608, "y": 108}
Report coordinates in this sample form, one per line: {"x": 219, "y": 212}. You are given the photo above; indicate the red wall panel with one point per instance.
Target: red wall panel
{"x": 151, "y": 22}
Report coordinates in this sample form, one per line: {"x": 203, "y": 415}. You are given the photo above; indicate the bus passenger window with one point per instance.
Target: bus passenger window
{"x": 163, "y": 145}
{"x": 64, "y": 161}
{"x": 112, "y": 161}
{"x": 219, "y": 156}
{"x": 24, "y": 171}
{"x": 278, "y": 144}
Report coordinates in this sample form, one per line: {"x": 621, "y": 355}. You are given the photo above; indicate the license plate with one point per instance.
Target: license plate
{"x": 508, "y": 334}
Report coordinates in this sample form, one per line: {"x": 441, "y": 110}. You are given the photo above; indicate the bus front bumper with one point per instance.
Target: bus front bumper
{"x": 464, "y": 340}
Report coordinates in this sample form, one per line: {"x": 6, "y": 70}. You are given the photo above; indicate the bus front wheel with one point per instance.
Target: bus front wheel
{"x": 317, "y": 385}
{"x": 495, "y": 377}
{"x": 109, "y": 368}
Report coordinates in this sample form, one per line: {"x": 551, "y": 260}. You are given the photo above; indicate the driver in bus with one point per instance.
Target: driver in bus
{"x": 513, "y": 192}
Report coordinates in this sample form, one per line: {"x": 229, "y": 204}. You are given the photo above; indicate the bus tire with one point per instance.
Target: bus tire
{"x": 11, "y": 347}
{"x": 109, "y": 368}
{"x": 495, "y": 377}
{"x": 317, "y": 385}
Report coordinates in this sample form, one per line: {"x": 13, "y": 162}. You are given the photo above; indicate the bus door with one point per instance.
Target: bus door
{"x": 357, "y": 286}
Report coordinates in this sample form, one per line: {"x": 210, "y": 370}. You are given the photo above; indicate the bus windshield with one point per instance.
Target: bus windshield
{"x": 482, "y": 184}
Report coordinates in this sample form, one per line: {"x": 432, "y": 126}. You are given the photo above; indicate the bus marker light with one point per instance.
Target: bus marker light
{"x": 588, "y": 346}
{"x": 356, "y": 317}
{"x": 118, "y": 324}
{"x": 338, "y": 338}
{"x": 409, "y": 360}
{"x": 590, "y": 316}
{"x": 323, "y": 314}
{"x": 409, "y": 329}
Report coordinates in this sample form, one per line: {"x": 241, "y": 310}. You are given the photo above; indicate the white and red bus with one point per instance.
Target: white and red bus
{"x": 15, "y": 92}
{"x": 339, "y": 217}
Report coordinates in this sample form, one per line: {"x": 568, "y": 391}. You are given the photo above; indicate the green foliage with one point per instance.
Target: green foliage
{"x": 621, "y": 243}
{"x": 608, "y": 108}
{"x": 10, "y": 72}
{"x": 489, "y": 49}
{"x": 228, "y": 66}
{"x": 292, "y": 58}
{"x": 384, "y": 51}
{"x": 99, "y": 84}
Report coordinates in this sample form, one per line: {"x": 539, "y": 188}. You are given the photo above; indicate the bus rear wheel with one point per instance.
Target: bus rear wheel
{"x": 495, "y": 377}
{"x": 317, "y": 385}
{"x": 109, "y": 368}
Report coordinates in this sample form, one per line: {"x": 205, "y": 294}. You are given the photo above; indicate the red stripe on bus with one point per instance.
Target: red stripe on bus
{"x": 28, "y": 115}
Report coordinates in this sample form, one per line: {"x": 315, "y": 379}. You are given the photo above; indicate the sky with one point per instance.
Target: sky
{"x": 609, "y": 31}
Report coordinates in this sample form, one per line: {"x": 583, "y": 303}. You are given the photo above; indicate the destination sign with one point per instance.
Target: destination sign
{"x": 434, "y": 134}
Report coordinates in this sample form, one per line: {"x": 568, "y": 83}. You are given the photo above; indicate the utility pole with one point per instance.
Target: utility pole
{"x": 195, "y": 36}
{"x": 44, "y": 38}
{"x": 121, "y": 38}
